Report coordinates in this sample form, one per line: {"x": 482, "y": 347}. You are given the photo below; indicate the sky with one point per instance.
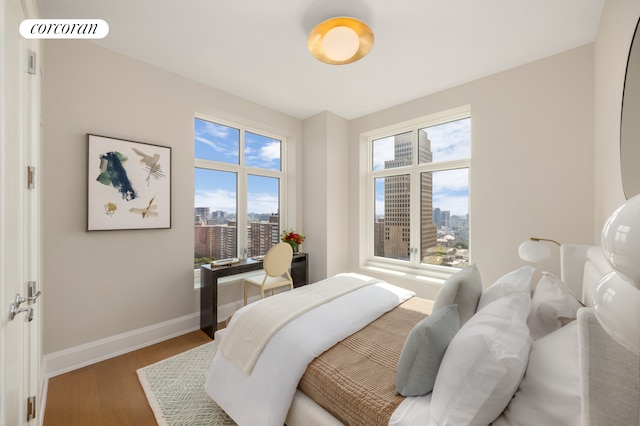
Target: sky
{"x": 217, "y": 190}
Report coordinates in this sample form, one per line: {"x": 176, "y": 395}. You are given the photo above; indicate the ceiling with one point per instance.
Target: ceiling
{"x": 256, "y": 49}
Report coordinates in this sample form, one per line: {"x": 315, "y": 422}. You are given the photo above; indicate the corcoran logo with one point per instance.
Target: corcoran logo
{"x": 64, "y": 28}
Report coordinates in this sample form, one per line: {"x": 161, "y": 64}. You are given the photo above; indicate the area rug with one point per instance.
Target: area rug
{"x": 175, "y": 389}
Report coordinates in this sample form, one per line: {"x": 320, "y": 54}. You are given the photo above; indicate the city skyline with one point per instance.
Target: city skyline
{"x": 445, "y": 191}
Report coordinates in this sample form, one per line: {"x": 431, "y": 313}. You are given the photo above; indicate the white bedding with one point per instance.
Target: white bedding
{"x": 249, "y": 334}
{"x": 264, "y": 396}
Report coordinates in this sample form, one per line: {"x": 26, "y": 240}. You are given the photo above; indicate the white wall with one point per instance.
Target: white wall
{"x": 326, "y": 169}
{"x": 534, "y": 170}
{"x": 315, "y": 199}
{"x": 100, "y": 284}
{"x": 611, "y": 51}
{"x": 532, "y": 158}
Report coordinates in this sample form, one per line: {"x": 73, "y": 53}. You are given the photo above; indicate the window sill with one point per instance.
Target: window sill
{"x": 436, "y": 275}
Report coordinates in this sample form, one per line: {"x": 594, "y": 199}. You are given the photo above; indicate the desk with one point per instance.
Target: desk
{"x": 209, "y": 285}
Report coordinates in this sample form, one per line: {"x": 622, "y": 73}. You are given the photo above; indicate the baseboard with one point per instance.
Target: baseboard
{"x": 89, "y": 353}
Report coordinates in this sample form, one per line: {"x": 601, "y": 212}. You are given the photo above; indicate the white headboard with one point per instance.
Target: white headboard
{"x": 610, "y": 372}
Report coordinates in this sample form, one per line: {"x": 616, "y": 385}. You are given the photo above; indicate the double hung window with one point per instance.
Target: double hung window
{"x": 418, "y": 186}
{"x": 239, "y": 182}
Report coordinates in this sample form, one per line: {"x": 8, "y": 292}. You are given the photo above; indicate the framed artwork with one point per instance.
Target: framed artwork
{"x": 128, "y": 185}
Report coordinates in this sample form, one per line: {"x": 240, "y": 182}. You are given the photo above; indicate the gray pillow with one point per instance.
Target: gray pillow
{"x": 464, "y": 289}
{"x": 423, "y": 351}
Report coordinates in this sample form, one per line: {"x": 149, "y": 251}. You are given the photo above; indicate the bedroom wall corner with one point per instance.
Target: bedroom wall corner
{"x": 325, "y": 166}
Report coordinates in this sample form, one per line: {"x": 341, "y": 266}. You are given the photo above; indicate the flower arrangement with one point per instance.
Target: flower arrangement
{"x": 293, "y": 239}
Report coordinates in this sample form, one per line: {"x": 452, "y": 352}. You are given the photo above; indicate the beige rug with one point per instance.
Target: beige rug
{"x": 175, "y": 389}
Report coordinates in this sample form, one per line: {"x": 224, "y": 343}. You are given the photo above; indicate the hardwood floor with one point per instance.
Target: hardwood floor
{"x": 109, "y": 393}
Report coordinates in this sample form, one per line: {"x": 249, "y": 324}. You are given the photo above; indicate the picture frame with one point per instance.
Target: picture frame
{"x": 128, "y": 184}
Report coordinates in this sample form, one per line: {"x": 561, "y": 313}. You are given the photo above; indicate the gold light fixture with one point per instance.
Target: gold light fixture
{"x": 340, "y": 40}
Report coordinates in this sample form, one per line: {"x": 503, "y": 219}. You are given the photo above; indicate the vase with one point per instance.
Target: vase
{"x": 294, "y": 246}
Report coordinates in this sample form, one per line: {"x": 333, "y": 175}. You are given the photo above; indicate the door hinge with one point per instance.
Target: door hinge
{"x": 32, "y": 290}
{"x": 31, "y": 62}
{"x": 31, "y": 177}
{"x": 31, "y": 408}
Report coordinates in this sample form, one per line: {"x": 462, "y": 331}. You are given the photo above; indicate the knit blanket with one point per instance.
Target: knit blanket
{"x": 355, "y": 380}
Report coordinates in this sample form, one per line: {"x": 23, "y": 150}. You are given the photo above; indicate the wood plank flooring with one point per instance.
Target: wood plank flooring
{"x": 109, "y": 393}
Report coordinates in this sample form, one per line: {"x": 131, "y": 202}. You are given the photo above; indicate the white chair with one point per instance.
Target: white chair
{"x": 276, "y": 270}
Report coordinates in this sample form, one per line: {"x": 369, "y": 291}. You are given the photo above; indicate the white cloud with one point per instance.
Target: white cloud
{"x": 383, "y": 150}
{"x": 262, "y": 203}
{"x": 219, "y": 199}
{"x": 271, "y": 151}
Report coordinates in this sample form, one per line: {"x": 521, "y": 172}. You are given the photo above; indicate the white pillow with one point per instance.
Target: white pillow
{"x": 553, "y": 306}
{"x": 518, "y": 281}
{"x": 550, "y": 391}
{"x": 483, "y": 364}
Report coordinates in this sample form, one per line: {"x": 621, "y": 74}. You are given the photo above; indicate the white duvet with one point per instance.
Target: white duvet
{"x": 263, "y": 397}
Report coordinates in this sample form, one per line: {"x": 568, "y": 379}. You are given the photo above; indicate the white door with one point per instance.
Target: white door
{"x": 20, "y": 339}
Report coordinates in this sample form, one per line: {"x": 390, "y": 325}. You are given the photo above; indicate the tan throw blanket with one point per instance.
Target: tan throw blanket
{"x": 355, "y": 380}
{"x": 250, "y": 330}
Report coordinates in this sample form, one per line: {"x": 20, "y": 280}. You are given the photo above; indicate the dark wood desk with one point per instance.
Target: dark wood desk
{"x": 209, "y": 285}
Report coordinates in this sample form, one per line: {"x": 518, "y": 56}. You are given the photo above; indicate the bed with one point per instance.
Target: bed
{"x": 521, "y": 348}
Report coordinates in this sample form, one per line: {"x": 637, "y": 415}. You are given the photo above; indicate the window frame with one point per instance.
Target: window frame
{"x": 242, "y": 172}
{"x": 367, "y": 199}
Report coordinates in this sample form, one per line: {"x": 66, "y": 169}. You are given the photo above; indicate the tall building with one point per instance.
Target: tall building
{"x": 263, "y": 235}
{"x": 219, "y": 241}
{"x": 428, "y": 229}
{"x": 397, "y": 202}
{"x": 215, "y": 241}
{"x": 202, "y": 215}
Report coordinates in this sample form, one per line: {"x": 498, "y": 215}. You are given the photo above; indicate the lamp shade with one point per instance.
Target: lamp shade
{"x": 616, "y": 302}
{"x": 621, "y": 239}
{"x": 340, "y": 40}
{"x": 617, "y": 296}
{"x": 534, "y": 252}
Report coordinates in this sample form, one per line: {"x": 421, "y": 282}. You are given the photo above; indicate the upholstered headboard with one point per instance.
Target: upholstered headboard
{"x": 610, "y": 372}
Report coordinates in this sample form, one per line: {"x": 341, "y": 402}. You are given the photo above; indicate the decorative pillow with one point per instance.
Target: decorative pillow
{"x": 518, "y": 281}
{"x": 483, "y": 364}
{"x": 552, "y": 307}
{"x": 463, "y": 289}
{"x": 551, "y": 390}
{"x": 423, "y": 351}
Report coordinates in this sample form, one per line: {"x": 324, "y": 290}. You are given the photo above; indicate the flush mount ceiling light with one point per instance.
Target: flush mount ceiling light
{"x": 340, "y": 40}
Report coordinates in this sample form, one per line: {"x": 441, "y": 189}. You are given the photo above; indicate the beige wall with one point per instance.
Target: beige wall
{"x": 532, "y": 158}
{"x": 534, "y": 170}
{"x": 99, "y": 284}
{"x": 611, "y": 50}
{"x": 326, "y": 170}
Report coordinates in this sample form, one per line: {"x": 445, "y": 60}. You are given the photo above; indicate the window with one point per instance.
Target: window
{"x": 239, "y": 180}
{"x": 418, "y": 181}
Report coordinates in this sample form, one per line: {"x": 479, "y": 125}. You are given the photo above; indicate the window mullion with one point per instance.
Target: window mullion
{"x": 242, "y": 245}
{"x": 434, "y": 204}
{"x": 414, "y": 199}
